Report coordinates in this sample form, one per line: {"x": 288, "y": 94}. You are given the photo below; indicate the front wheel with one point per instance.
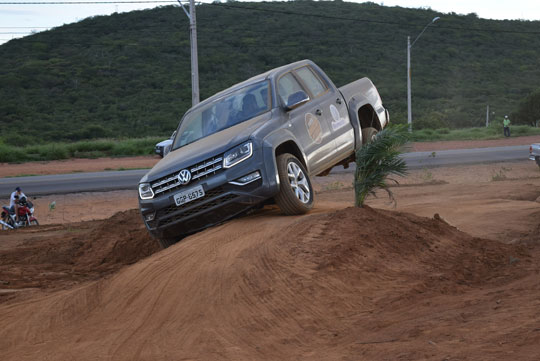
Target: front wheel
{"x": 295, "y": 191}
{"x": 34, "y": 222}
{"x": 8, "y": 224}
{"x": 537, "y": 160}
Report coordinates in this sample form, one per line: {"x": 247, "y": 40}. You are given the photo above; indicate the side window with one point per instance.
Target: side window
{"x": 287, "y": 86}
{"x": 314, "y": 84}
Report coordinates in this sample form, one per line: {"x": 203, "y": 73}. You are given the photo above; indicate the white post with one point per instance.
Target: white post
{"x": 409, "y": 46}
{"x": 487, "y": 116}
{"x": 409, "y": 110}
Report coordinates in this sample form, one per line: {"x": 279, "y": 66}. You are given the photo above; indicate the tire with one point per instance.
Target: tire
{"x": 295, "y": 192}
{"x": 537, "y": 160}
{"x": 34, "y": 222}
{"x": 9, "y": 223}
{"x": 368, "y": 134}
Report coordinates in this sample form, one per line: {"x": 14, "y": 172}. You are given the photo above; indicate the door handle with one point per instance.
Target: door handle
{"x": 338, "y": 100}
{"x": 318, "y": 112}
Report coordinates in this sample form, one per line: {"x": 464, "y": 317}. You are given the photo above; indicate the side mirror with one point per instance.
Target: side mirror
{"x": 296, "y": 99}
{"x": 166, "y": 149}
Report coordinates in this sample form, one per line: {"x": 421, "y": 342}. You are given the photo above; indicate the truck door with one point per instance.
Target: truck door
{"x": 307, "y": 123}
{"x": 334, "y": 113}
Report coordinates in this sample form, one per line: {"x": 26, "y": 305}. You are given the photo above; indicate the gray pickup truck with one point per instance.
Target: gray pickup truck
{"x": 256, "y": 142}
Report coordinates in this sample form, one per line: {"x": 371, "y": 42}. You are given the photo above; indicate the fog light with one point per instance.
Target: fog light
{"x": 247, "y": 179}
{"x": 150, "y": 217}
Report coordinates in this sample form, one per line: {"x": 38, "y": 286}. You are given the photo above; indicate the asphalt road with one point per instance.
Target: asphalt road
{"x": 120, "y": 180}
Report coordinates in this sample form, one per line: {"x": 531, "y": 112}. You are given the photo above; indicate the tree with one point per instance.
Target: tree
{"x": 376, "y": 161}
{"x": 529, "y": 110}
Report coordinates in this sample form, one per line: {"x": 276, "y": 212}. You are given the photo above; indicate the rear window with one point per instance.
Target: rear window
{"x": 314, "y": 84}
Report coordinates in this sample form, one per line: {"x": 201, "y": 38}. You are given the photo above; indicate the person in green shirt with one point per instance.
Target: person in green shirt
{"x": 506, "y": 125}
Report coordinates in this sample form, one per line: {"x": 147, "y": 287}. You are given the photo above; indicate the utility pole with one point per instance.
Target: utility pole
{"x": 194, "y": 59}
{"x": 409, "y": 46}
{"x": 487, "y": 116}
{"x": 409, "y": 111}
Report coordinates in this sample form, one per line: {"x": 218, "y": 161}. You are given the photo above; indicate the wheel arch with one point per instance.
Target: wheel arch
{"x": 368, "y": 117}
{"x": 363, "y": 116}
{"x": 291, "y": 147}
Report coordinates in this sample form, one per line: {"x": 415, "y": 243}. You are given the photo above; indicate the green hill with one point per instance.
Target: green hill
{"x": 128, "y": 75}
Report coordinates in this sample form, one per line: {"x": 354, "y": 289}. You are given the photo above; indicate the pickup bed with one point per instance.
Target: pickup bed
{"x": 534, "y": 153}
{"x": 259, "y": 141}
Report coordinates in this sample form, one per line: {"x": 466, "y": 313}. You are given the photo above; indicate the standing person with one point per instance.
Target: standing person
{"x": 506, "y": 126}
{"x": 14, "y": 202}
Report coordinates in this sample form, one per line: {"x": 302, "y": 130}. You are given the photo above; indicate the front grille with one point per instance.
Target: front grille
{"x": 198, "y": 171}
{"x": 174, "y": 208}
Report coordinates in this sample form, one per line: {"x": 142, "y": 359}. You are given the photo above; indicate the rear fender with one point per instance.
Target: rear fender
{"x": 355, "y": 103}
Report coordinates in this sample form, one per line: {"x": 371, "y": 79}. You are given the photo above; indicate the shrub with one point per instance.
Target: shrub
{"x": 376, "y": 161}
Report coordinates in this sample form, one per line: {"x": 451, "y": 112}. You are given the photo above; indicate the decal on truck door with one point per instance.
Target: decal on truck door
{"x": 314, "y": 128}
{"x": 337, "y": 121}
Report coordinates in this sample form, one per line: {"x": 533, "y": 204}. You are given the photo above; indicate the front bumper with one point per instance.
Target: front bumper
{"x": 222, "y": 200}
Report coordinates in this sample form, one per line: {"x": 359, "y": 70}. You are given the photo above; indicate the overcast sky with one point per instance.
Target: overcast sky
{"x": 19, "y": 20}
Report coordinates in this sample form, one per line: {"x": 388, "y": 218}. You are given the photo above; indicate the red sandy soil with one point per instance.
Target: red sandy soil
{"x": 340, "y": 283}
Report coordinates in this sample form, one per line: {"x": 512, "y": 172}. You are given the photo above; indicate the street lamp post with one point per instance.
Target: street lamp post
{"x": 194, "y": 58}
{"x": 409, "y": 46}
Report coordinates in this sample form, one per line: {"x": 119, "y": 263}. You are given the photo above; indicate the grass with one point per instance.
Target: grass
{"x": 491, "y": 132}
{"x": 145, "y": 146}
{"x": 84, "y": 149}
{"x": 23, "y": 175}
{"x": 500, "y": 175}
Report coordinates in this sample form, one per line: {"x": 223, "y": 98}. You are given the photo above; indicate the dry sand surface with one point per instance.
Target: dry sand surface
{"x": 451, "y": 273}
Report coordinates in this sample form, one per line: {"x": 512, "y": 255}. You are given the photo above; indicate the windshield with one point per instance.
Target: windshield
{"x": 225, "y": 112}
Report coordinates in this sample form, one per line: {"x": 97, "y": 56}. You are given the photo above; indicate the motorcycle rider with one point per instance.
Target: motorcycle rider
{"x": 14, "y": 202}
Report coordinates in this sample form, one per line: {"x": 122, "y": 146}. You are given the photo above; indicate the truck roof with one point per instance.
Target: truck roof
{"x": 270, "y": 74}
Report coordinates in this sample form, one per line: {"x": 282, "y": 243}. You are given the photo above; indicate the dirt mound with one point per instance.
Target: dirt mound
{"x": 121, "y": 239}
{"x": 58, "y": 256}
{"x": 352, "y": 284}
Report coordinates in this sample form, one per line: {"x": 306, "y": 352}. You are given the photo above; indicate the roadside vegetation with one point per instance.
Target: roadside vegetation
{"x": 145, "y": 146}
{"x": 128, "y": 74}
{"x": 83, "y": 149}
{"x": 494, "y": 131}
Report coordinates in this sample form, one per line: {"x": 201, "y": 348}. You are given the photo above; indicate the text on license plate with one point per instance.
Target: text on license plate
{"x": 189, "y": 195}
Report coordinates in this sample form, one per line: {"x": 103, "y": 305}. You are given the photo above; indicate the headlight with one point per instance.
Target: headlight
{"x": 145, "y": 191}
{"x": 237, "y": 155}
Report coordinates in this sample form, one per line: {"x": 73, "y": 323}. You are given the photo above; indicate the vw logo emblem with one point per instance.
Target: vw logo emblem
{"x": 184, "y": 176}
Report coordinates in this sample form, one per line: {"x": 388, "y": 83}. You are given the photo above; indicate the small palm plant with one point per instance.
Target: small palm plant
{"x": 376, "y": 161}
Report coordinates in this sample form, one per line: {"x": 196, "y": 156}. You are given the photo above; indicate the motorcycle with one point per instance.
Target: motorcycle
{"x": 26, "y": 216}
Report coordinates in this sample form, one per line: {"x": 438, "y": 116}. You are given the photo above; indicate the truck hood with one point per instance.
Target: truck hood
{"x": 205, "y": 148}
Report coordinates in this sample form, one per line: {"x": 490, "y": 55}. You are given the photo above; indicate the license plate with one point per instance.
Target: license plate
{"x": 189, "y": 195}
